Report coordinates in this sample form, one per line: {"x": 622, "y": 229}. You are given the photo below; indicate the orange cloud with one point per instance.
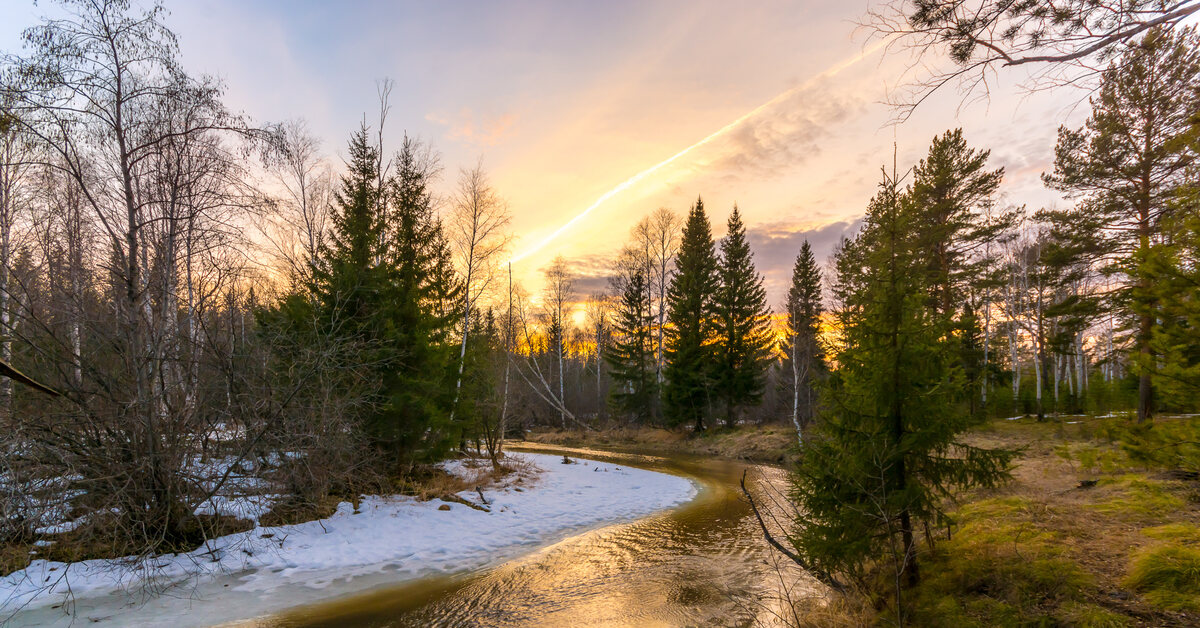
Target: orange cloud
{"x": 474, "y": 129}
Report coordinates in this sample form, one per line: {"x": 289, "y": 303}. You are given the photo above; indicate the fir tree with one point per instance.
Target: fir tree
{"x": 886, "y": 455}
{"x": 631, "y": 357}
{"x": 689, "y": 332}
{"x": 1127, "y": 164}
{"x": 741, "y": 325}
{"x": 804, "y": 357}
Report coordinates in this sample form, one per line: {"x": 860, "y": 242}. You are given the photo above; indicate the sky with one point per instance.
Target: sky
{"x": 566, "y": 101}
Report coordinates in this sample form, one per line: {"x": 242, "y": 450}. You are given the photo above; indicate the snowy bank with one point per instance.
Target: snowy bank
{"x": 387, "y": 541}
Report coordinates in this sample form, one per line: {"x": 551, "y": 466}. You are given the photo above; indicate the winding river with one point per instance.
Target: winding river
{"x": 705, "y": 563}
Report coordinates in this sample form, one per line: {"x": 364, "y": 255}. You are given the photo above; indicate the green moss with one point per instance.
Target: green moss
{"x": 1140, "y": 497}
{"x": 1090, "y": 458}
{"x": 1169, "y": 443}
{"x": 1168, "y": 576}
{"x": 1000, "y": 569}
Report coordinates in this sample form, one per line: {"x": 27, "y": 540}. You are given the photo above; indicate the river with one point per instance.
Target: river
{"x": 705, "y": 563}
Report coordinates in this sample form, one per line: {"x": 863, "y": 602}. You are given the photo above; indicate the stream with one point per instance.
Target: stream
{"x": 704, "y": 563}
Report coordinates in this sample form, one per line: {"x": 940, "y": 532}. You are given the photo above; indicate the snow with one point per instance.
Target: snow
{"x": 387, "y": 541}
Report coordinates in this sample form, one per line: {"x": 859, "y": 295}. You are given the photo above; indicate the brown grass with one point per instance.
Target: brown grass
{"x": 757, "y": 443}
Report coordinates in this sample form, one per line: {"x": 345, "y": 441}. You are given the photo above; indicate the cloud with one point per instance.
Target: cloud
{"x": 475, "y": 130}
{"x": 789, "y": 133}
{"x": 776, "y": 245}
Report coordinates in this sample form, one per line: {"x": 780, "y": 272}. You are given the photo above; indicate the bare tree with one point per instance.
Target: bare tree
{"x": 557, "y": 297}
{"x": 476, "y": 226}
{"x": 597, "y": 312}
{"x": 305, "y": 183}
{"x": 14, "y": 169}
{"x": 145, "y": 150}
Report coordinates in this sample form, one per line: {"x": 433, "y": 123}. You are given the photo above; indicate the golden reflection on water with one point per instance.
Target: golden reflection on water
{"x": 702, "y": 564}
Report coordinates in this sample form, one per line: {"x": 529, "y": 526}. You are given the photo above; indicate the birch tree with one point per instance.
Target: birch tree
{"x": 475, "y": 228}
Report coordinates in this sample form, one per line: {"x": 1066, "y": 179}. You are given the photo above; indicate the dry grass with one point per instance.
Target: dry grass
{"x": 758, "y": 443}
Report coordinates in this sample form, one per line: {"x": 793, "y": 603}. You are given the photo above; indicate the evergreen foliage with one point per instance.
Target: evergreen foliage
{"x": 378, "y": 302}
{"x": 631, "y": 357}
{"x": 741, "y": 325}
{"x": 886, "y": 457}
{"x": 689, "y": 332}
{"x": 804, "y": 355}
{"x": 1126, "y": 164}
{"x": 952, "y": 192}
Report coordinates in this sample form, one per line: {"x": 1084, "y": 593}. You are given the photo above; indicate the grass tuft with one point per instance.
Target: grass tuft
{"x": 1139, "y": 497}
{"x": 1168, "y": 576}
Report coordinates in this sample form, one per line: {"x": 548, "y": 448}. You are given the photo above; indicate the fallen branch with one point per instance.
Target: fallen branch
{"x": 819, "y": 574}
{"x": 459, "y": 500}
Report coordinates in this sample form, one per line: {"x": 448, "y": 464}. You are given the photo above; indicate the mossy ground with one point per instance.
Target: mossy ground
{"x": 1089, "y": 533}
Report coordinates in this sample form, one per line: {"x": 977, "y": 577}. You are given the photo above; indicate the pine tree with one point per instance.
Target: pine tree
{"x": 1127, "y": 164}
{"x": 952, "y": 192}
{"x": 631, "y": 357}
{"x": 887, "y": 453}
{"x": 689, "y": 332}
{"x": 741, "y": 325}
{"x": 804, "y": 356}
{"x": 1173, "y": 269}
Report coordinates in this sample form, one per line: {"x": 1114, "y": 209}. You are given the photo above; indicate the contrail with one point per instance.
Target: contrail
{"x": 631, "y": 181}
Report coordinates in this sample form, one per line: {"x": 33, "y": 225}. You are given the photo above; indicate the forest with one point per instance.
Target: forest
{"x": 190, "y": 297}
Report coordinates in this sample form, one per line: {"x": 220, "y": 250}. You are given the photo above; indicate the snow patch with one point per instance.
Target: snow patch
{"x": 387, "y": 541}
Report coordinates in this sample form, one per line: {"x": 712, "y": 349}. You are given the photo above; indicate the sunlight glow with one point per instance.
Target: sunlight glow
{"x": 631, "y": 181}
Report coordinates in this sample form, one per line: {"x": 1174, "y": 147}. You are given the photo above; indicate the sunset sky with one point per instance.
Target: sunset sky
{"x": 565, "y": 101}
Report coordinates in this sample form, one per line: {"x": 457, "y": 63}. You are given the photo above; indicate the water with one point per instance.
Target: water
{"x": 705, "y": 563}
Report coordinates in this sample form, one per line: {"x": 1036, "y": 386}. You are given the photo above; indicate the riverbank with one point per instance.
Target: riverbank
{"x": 1093, "y": 531}
{"x": 770, "y": 444}
{"x": 377, "y": 540}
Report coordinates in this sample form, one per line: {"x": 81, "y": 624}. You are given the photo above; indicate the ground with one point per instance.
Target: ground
{"x": 1082, "y": 536}
{"x": 770, "y": 444}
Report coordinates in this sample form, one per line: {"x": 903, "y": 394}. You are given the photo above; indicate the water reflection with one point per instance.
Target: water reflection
{"x": 703, "y": 564}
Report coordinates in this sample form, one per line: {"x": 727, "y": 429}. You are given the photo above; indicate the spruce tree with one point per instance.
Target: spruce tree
{"x": 741, "y": 325}
{"x": 350, "y": 271}
{"x": 1174, "y": 272}
{"x": 689, "y": 332}
{"x": 1126, "y": 164}
{"x": 886, "y": 455}
{"x": 804, "y": 356}
{"x": 351, "y": 285}
{"x": 419, "y": 324}
{"x": 631, "y": 357}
